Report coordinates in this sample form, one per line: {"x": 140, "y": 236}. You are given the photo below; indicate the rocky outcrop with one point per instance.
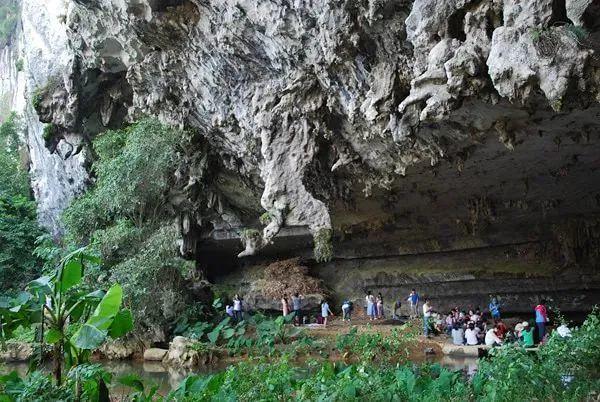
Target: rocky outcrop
{"x": 182, "y": 354}
{"x": 16, "y": 352}
{"x": 407, "y": 127}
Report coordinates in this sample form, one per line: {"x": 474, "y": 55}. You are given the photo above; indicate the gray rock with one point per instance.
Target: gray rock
{"x": 16, "y": 352}
{"x": 155, "y": 354}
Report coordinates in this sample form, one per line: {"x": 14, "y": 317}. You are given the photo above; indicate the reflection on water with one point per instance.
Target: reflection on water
{"x": 167, "y": 378}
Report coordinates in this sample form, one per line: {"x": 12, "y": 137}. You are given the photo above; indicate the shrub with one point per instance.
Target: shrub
{"x": 19, "y": 65}
{"x": 50, "y": 130}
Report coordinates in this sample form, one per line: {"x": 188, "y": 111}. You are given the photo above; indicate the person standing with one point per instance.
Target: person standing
{"x": 494, "y": 308}
{"x": 237, "y": 308}
{"x": 426, "y": 316}
{"x": 297, "y": 308}
{"x": 325, "y": 312}
{"x": 397, "y": 306}
{"x": 380, "y": 306}
{"x": 541, "y": 318}
{"x": 370, "y": 299}
{"x": 413, "y": 299}
{"x": 285, "y": 308}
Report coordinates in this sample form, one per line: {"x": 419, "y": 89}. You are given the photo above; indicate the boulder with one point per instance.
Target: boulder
{"x": 155, "y": 354}
{"x": 16, "y": 352}
{"x": 120, "y": 349}
{"x": 182, "y": 354}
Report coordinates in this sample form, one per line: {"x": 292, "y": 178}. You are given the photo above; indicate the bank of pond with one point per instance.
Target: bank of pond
{"x": 356, "y": 364}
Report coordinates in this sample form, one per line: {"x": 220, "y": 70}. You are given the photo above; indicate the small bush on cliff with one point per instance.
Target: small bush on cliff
{"x": 126, "y": 217}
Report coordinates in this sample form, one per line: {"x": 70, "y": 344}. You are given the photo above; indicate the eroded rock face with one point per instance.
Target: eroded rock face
{"x": 452, "y": 117}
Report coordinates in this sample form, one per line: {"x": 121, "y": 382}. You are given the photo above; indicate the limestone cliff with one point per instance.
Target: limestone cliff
{"x": 404, "y": 126}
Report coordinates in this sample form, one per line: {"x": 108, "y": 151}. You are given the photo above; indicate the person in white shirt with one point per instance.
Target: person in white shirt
{"x": 471, "y": 335}
{"x": 325, "y": 312}
{"x": 491, "y": 338}
{"x": 426, "y": 316}
{"x": 237, "y": 308}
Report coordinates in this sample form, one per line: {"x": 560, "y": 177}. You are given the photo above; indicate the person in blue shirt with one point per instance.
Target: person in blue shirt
{"x": 494, "y": 308}
{"x": 413, "y": 299}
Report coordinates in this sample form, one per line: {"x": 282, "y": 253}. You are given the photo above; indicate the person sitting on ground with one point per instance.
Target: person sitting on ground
{"x": 458, "y": 334}
{"x": 370, "y": 300}
{"x": 397, "y": 306}
{"x": 462, "y": 317}
{"x": 229, "y": 310}
{"x": 346, "y": 310}
{"x": 449, "y": 323}
{"x": 527, "y": 335}
{"x": 563, "y": 331}
{"x": 379, "y": 306}
{"x": 476, "y": 316}
{"x": 518, "y": 330}
{"x": 483, "y": 327}
{"x": 494, "y": 307}
{"x": 471, "y": 335}
{"x": 325, "y": 312}
{"x": 492, "y": 338}
{"x": 501, "y": 328}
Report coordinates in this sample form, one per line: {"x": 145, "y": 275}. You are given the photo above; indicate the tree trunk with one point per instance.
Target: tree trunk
{"x": 57, "y": 356}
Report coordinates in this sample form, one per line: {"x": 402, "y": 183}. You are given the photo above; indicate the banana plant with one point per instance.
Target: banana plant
{"x": 70, "y": 319}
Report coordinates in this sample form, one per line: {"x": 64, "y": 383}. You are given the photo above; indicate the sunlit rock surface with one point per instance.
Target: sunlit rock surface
{"x": 408, "y": 127}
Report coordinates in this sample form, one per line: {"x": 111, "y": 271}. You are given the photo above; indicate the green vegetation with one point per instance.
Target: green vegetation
{"x": 127, "y": 219}
{"x": 66, "y": 314}
{"x": 18, "y": 219}
{"x": 19, "y": 65}
{"x": 578, "y": 32}
{"x": 9, "y": 16}
{"x": 323, "y": 245}
{"x": 50, "y": 130}
{"x": 563, "y": 369}
{"x": 37, "y": 97}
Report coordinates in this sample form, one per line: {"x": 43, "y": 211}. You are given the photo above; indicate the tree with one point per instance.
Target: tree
{"x": 126, "y": 217}
{"x": 58, "y": 305}
{"x": 18, "y": 219}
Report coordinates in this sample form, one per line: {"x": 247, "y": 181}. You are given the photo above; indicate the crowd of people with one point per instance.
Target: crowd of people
{"x": 472, "y": 327}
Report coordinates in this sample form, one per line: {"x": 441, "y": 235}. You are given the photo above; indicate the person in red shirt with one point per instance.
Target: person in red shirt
{"x": 501, "y": 329}
{"x": 541, "y": 318}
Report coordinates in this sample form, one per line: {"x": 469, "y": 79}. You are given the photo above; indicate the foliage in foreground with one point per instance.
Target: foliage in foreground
{"x": 511, "y": 374}
{"x": 66, "y": 315}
